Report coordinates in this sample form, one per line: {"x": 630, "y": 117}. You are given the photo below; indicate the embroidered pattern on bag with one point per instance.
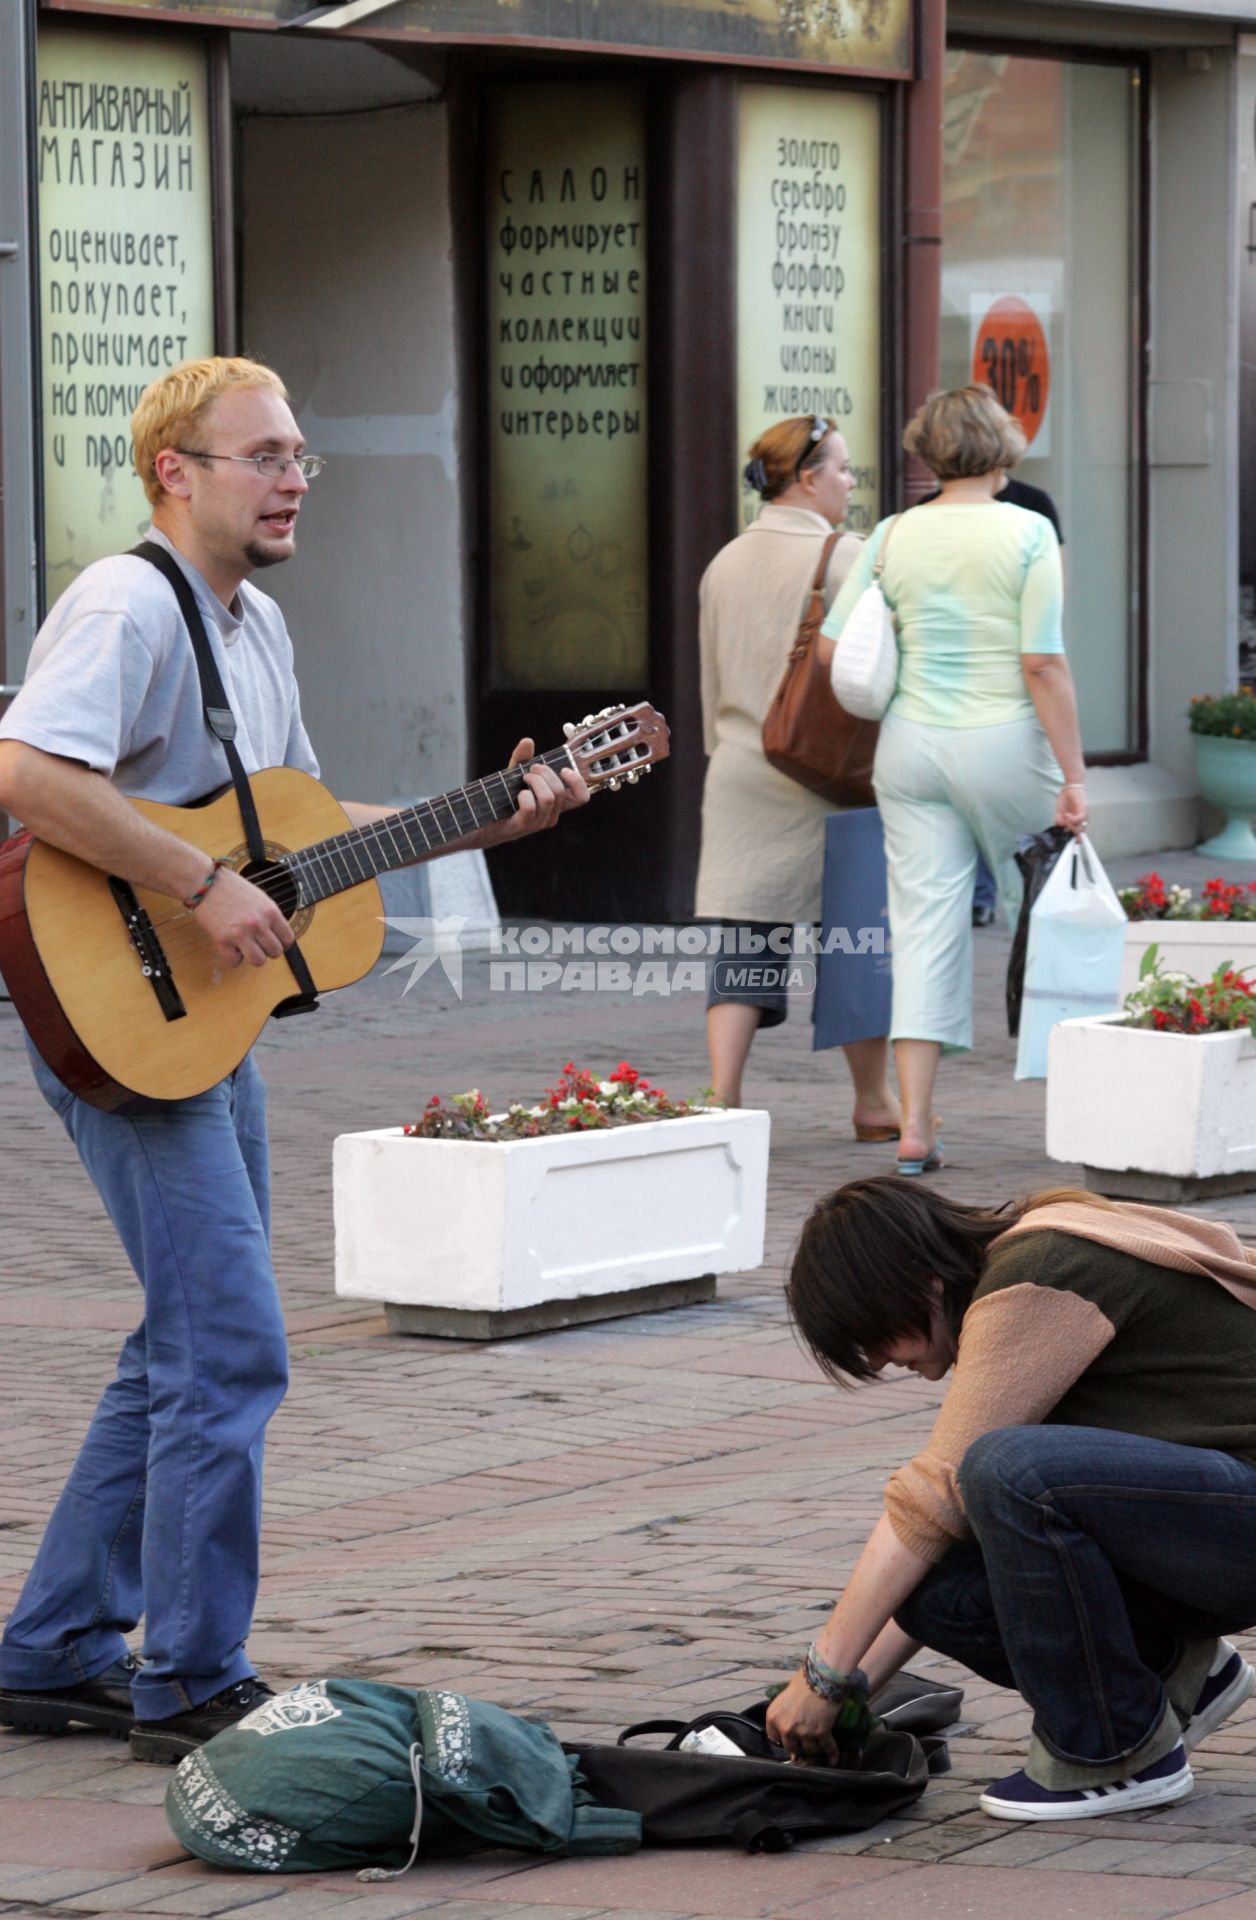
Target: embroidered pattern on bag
{"x": 305, "y": 1705}
{"x": 453, "y": 1735}
{"x": 199, "y": 1795}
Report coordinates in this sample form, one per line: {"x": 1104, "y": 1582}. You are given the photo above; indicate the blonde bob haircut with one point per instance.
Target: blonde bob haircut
{"x": 964, "y": 432}
{"x": 172, "y": 410}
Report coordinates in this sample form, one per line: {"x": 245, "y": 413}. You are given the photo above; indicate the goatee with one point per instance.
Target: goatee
{"x": 259, "y": 556}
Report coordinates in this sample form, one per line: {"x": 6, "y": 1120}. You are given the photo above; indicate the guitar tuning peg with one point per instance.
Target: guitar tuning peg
{"x": 615, "y": 783}
{"x": 632, "y": 777}
{"x": 588, "y": 720}
{"x": 568, "y": 729}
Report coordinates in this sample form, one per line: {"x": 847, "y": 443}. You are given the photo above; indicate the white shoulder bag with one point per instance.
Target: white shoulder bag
{"x": 864, "y": 672}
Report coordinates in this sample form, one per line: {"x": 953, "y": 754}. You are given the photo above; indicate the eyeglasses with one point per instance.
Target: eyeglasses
{"x": 271, "y": 466}
{"x": 820, "y": 431}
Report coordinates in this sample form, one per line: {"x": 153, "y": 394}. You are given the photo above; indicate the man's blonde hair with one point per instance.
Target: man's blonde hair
{"x": 963, "y": 432}
{"x": 172, "y": 409}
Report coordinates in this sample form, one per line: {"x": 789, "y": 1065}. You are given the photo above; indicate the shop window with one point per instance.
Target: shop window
{"x": 566, "y": 382}
{"x": 1040, "y": 297}
{"x": 809, "y": 272}
{"x": 126, "y": 266}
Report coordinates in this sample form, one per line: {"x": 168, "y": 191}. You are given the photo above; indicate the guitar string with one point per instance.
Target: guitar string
{"x": 275, "y": 884}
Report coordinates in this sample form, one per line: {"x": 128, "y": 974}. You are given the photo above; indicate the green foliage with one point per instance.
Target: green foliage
{"x": 1168, "y": 1002}
{"x": 1225, "y": 716}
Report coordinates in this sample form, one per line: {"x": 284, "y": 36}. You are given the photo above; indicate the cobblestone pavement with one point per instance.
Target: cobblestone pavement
{"x": 647, "y": 1517}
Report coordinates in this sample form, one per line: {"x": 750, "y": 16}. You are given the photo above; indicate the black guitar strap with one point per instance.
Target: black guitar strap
{"x": 222, "y": 724}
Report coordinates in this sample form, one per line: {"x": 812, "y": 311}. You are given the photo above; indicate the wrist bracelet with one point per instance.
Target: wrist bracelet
{"x": 834, "y": 1674}
{"x": 828, "y": 1683}
{"x": 193, "y": 900}
{"x": 1078, "y": 786}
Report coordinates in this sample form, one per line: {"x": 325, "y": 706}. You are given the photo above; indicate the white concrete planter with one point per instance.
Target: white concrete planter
{"x": 1197, "y": 947}
{"x": 1159, "y": 1116}
{"x": 477, "y": 1239}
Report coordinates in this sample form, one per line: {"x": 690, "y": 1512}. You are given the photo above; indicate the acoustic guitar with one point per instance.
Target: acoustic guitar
{"x": 124, "y": 995}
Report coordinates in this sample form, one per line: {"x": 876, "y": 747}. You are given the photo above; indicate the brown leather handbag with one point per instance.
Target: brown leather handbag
{"x": 806, "y": 734}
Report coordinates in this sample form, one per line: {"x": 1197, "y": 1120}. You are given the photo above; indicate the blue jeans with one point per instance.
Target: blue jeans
{"x": 1096, "y": 1555}
{"x": 161, "y": 1514}
{"x": 985, "y": 892}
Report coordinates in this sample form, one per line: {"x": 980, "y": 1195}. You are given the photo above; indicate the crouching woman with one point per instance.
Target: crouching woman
{"x": 1081, "y": 1525}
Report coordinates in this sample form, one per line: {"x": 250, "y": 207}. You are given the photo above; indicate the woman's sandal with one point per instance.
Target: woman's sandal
{"x": 868, "y": 1135}
{"x": 929, "y": 1164}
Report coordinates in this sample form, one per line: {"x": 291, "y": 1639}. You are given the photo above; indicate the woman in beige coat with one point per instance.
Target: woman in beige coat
{"x": 762, "y": 856}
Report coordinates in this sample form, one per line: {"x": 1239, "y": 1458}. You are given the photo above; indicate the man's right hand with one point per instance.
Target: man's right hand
{"x": 243, "y": 922}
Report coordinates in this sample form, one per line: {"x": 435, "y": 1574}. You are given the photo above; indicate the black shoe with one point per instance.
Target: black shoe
{"x": 104, "y": 1702}
{"x": 983, "y": 916}
{"x": 163, "y": 1743}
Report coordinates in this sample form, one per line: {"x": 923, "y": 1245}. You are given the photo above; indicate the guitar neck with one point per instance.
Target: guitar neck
{"x": 399, "y": 839}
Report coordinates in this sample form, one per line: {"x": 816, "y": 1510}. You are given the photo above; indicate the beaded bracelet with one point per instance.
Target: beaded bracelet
{"x": 193, "y": 900}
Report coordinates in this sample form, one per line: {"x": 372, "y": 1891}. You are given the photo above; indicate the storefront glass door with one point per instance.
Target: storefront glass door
{"x": 1040, "y": 298}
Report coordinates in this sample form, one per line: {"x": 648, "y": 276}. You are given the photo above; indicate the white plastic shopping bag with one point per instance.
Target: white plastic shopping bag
{"x": 1073, "y": 964}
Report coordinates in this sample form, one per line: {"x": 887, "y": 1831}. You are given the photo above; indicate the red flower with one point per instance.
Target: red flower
{"x": 1222, "y": 898}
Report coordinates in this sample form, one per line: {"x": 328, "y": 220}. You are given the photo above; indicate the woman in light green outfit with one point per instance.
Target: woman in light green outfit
{"x": 980, "y": 743}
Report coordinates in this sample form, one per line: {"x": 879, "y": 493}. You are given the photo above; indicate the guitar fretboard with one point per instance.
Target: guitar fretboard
{"x": 347, "y": 859}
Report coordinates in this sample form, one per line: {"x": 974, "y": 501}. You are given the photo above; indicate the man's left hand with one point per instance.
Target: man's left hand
{"x": 542, "y": 797}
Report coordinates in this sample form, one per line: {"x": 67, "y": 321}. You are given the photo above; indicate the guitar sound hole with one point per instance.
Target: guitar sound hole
{"x": 278, "y": 882}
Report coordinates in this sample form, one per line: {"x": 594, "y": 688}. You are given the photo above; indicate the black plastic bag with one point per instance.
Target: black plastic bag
{"x": 1036, "y": 855}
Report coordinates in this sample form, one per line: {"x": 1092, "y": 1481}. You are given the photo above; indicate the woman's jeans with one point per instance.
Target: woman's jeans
{"x": 1098, "y": 1558}
{"x": 161, "y": 1514}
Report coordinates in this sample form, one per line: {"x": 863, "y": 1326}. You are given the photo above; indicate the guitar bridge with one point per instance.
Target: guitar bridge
{"x": 153, "y": 962}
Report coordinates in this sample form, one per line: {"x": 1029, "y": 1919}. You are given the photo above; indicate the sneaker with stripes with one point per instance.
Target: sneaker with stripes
{"x": 1020, "y": 1798}
{"x": 1230, "y": 1682}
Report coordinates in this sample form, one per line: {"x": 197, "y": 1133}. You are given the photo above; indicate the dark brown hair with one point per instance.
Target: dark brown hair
{"x": 867, "y": 1257}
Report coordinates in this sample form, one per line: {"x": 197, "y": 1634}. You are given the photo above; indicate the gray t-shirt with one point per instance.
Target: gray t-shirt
{"x": 112, "y": 682}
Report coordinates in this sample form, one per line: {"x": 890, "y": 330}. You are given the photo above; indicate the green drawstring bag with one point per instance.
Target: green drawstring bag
{"x": 355, "y": 1773}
